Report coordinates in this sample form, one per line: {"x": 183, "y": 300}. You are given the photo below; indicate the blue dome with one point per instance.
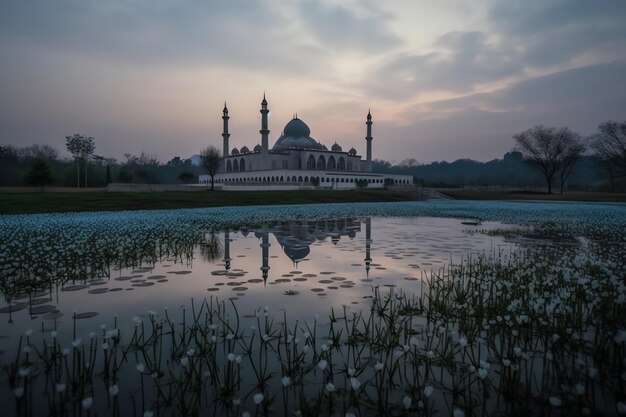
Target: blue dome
{"x": 296, "y": 136}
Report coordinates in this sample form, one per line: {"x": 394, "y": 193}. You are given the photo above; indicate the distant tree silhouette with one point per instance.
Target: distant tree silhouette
{"x": 39, "y": 174}
{"x": 572, "y": 153}
{"x": 545, "y": 148}
{"x": 211, "y": 161}
{"x": 186, "y": 177}
{"x": 608, "y": 145}
{"x": 81, "y": 147}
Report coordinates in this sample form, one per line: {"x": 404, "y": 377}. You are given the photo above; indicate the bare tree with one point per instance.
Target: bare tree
{"x": 211, "y": 161}
{"x": 81, "y": 147}
{"x": 572, "y": 152}
{"x": 544, "y": 148}
{"x": 609, "y": 146}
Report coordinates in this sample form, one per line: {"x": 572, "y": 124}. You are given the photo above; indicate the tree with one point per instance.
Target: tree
{"x": 43, "y": 152}
{"x": 211, "y": 161}
{"x": 39, "y": 174}
{"x": 186, "y": 177}
{"x": 544, "y": 148}
{"x": 573, "y": 151}
{"x": 81, "y": 147}
{"x": 608, "y": 145}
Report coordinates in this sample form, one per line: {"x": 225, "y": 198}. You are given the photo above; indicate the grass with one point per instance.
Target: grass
{"x": 58, "y": 202}
{"x": 462, "y": 194}
{"x": 527, "y": 335}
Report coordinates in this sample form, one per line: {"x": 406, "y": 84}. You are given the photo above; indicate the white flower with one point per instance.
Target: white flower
{"x": 621, "y": 407}
{"x": 406, "y": 401}
{"x": 28, "y": 332}
{"x": 19, "y": 391}
{"x": 413, "y": 341}
{"x": 580, "y": 389}
{"x": 355, "y": 383}
{"x": 324, "y": 348}
{"x": 245, "y": 414}
{"x": 87, "y": 402}
{"x": 65, "y": 351}
{"x": 458, "y": 412}
{"x": 53, "y": 333}
{"x": 428, "y": 391}
{"x": 27, "y": 349}
{"x": 506, "y": 362}
{"x": 103, "y": 326}
{"x": 238, "y": 359}
{"x": 105, "y": 346}
{"x": 184, "y": 361}
{"x": 76, "y": 343}
{"x": 24, "y": 371}
{"x": 462, "y": 341}
{"x": 137, "y": 320}
{"x": 148, "y": 414}
{"x": 60, "y": 387}
{"x": 351, "y": 371}
{"x": 230, "y": 336}
{"x": 141, "y": 367}
{"x": 258, "y": 398}
{"x": 286, "y": 381}
{"x": 190, "y": 352}
{"x": 92, "y": 335}
{"x": 114, "y": 390}
{"x": 482, "y": 373}
{"x": 267, "y": 337}
{"x": 330, "y": 387}
{"x": 231, "y": 357}
{"x": 378, "y": 366}
{"x": 322, "y": 364}
{"x": 236, "y": 401}
{"x": 555, "y": 401}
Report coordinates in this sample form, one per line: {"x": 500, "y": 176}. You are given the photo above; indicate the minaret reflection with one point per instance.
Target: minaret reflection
{"x": 227, "y": 257}
{"x": 265, "y": 245}
{"x": 368, "y": 241}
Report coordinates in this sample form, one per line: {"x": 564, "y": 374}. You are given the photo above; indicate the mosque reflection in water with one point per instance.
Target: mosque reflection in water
{"x": 296, "y": 237}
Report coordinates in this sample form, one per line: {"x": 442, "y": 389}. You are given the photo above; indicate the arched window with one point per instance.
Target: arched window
{"x": 242, "y": 165}
{"x": 321, "y": 163}
{"x": 342, "y": 180}
{"x": 229, "y": 166}
{"x": 310, "y": 163}
{"x": 235, "y": 166}
{"x": 293, "y": 179}
{"x": 331, "y": 163}
{"x": 300, "y": 179}
{"x": 281, "y": 179}
{"x": 306, "y": 179}
{"x": 341, "y": 164}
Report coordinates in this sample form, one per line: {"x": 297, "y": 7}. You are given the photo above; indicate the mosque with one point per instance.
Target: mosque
{"x": 297, "y": 161}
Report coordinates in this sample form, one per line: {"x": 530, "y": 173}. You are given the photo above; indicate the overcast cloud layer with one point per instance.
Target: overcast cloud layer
{"x": 444, "y": 80}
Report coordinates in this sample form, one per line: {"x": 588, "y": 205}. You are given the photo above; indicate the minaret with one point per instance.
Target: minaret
{"x": 265, "y": 245}
{"x": 227, "y": 257}
{"x": 369, "y": 138}
{"x": 264, "y": 129}
{"x": 225, "y": 134}
{"x": 368, "y": 241}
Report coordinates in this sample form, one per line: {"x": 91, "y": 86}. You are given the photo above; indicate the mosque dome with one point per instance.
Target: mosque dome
{"x": 245, "y": 150}
{"x": 336, "y": 148}
{"x": 296, "y": 135}
{"x": 258, "y": 148}
{"x": 352, "y": 151}
{"x": 235, "y": 151}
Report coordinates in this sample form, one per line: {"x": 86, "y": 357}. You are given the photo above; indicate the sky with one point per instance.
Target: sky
{"x": 444, "y": 79}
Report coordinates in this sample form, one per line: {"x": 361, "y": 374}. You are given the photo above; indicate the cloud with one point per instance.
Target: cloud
{"x": 481, "y": 125}
{"x": 461, "y": 61}
{"x": 340, "y": 28}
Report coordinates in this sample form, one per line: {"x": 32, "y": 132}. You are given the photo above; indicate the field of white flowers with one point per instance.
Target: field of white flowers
{"x": 538, "y": 332}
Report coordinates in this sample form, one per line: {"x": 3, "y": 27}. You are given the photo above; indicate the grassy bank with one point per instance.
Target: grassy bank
{"x": 56, "y": 202}
{"x": 463, "y": 194}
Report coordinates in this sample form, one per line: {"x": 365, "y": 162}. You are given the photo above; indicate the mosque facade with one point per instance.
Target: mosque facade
{"x": 297, "y": 160}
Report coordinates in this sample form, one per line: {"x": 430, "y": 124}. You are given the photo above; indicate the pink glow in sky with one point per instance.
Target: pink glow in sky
{"x": 444, "y": 80}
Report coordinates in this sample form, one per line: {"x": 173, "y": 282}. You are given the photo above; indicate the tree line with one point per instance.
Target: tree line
{"x": 541, "y": 157}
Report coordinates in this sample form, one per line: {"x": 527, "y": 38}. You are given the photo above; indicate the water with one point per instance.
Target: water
{"x": 304, "y": 267}
{"x": 147, "y": 273}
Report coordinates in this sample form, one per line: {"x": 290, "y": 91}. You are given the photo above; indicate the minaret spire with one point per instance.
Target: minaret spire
{"x": 225, "y": 134}
{"x": 264, "y": 127}
{"x": 368, "y": 138}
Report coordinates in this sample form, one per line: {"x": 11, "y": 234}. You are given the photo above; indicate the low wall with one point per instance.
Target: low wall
{"x": 122, "y": 187}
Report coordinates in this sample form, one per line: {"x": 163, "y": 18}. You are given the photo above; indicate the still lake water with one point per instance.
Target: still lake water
{"x": 70, "y": 280}
{"x": 305, "y": 268}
